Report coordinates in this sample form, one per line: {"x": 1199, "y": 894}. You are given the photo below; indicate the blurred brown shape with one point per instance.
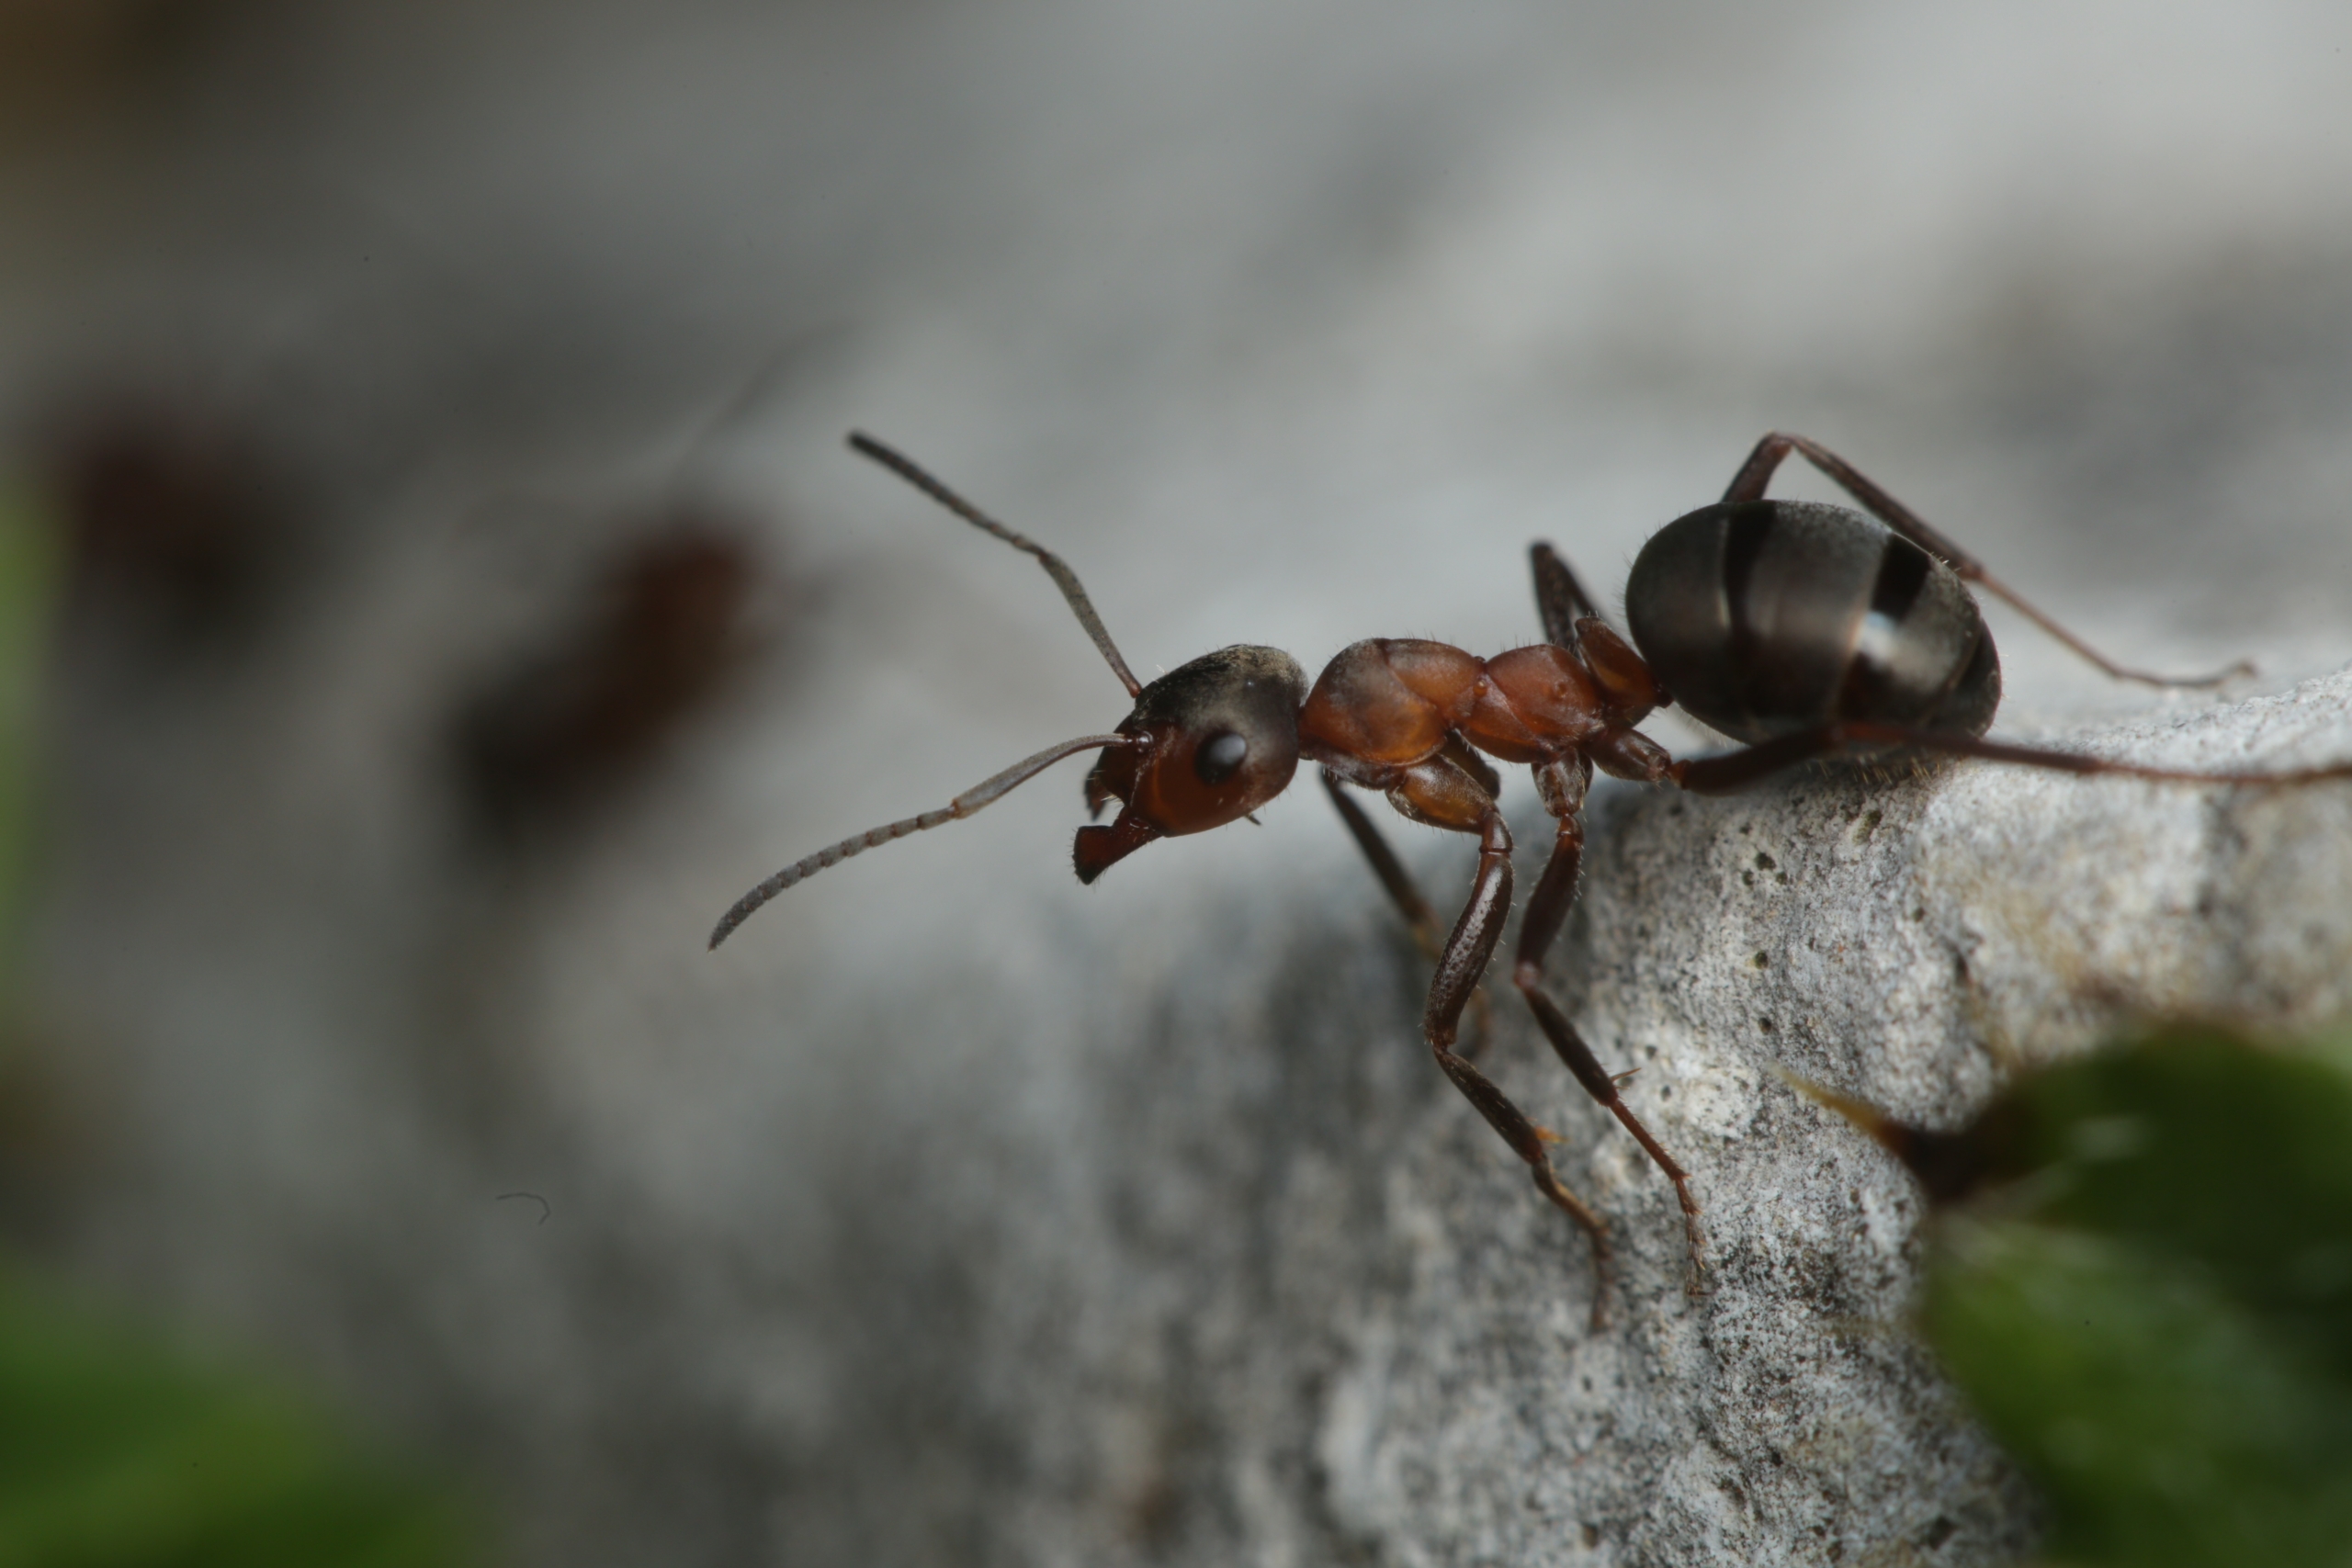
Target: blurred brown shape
{"x": 174, "y": 522}
{"x": 1951, "y": 1166}
{"x": 66, "y": 57}
{"x": 571, "y": 724}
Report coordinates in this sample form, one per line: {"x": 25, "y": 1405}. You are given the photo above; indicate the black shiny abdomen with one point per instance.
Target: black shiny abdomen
{"x": 1764, "y": 617}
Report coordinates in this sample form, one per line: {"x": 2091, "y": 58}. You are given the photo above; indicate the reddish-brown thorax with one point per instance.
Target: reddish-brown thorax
{"x": 1391, "y": 702}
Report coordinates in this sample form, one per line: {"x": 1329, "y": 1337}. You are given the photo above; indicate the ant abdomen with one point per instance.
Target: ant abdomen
{"x": 1768, "y": 617}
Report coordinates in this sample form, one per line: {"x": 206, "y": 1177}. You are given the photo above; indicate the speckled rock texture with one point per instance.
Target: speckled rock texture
{"x": 956, "y": 1213}
{"x": 1303, "y": 1310}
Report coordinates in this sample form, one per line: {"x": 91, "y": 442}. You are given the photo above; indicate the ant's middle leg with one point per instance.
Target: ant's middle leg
{"x": 1756, "y": 472}
{"x": 1734, "y": 771}
{"x": 1445, "y": 796}
{"x": 1562, "y": 785}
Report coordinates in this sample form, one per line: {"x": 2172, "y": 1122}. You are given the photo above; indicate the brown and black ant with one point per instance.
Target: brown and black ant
{"x": 1808, "y": 632}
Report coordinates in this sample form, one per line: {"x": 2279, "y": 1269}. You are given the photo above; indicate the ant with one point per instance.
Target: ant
{"x": 1808, "y": 632}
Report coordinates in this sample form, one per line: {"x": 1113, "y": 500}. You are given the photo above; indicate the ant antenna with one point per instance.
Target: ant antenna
{"x": 745, "y": 400}
{"x": 1056, "y": 568}
{"x": 963, "y": 806}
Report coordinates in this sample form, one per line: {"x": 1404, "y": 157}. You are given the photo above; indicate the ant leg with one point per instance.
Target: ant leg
{"x": 1735, "y": 771}
{"x": 1407, "y": 895}
{"x": 1436, "y": 792}
{"x": 1563, "y": 788}
{"x": 1560, "y": 599}
{"x": 1394, "y": 878}
{"x": 1756, "y": 472}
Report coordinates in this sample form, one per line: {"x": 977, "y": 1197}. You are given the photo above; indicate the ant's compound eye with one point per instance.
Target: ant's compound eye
{"x": 1215, "y": 758}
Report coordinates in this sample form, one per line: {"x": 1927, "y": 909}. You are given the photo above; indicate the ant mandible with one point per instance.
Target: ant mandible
{"x": 1806, "y": 631}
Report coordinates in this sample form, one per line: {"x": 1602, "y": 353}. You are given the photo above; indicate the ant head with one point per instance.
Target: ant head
{"x": 1219, "y": 739}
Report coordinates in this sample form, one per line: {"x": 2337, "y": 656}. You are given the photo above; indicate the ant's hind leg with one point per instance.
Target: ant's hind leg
{"x": 1403, "y": 892}
{"x": 1446, "y": 798}
{"x": 1547, "y": 911}
{"x": 1756, "y": 472}
{"x": 1734, "y": 771}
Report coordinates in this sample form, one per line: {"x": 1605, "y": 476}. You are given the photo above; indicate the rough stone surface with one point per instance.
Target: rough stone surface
{"x": 1299, "y": 1306}
{"x": 1214, "y": 1268}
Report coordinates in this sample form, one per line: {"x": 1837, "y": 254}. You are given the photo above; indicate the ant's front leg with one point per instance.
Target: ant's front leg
{"x": 1735, "y": 771}
{"x": 1393, "y": 878}
{"x": 1403, "y": 892}
{"x": 1562, "y": 785}
{"x": 1756, "y": 472}
{"x": 1443, "y": 795}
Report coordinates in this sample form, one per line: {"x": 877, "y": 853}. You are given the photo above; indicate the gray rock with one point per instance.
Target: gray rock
{"x": 1264, "y": 1290}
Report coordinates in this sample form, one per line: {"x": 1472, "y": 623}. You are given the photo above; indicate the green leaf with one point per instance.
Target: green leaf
{"x": 2165, "y": 1423}
{"x": 119, "y": 1452}
{"x": 2151, "y": 1305}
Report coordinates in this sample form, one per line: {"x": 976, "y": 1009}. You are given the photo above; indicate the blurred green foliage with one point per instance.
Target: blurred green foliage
{"x": 2148, "y": 1298}
{"x": 119, "y": 1450}
{"x": 119, "y": 1447}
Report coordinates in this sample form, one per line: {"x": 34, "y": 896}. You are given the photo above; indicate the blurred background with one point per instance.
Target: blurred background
{"x": 442, "y": 589}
